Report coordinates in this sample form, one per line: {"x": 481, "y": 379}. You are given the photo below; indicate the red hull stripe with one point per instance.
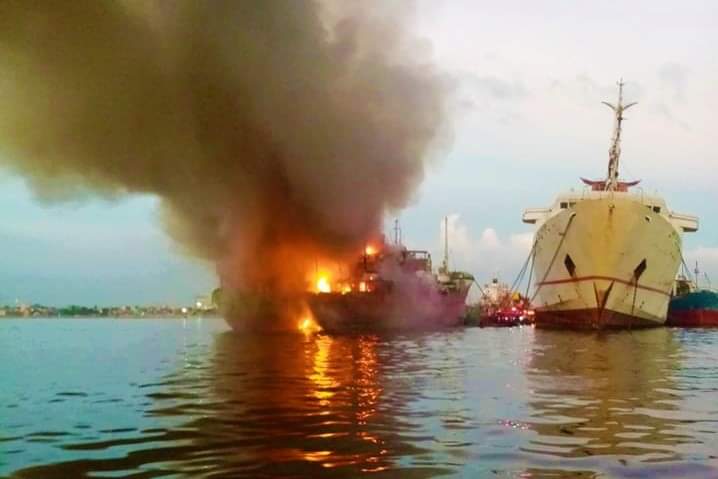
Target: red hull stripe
{"x": 592, "y": 318}
{"x": 694, "y": 318}
{"x": 604, "y": 278}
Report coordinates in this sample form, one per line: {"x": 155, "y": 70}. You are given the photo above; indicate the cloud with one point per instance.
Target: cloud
{"x": 486, "y": 254}
{"x": 673, "y": 77}
{"x": 494, "y": 86}
{"x": 493, "y": 96}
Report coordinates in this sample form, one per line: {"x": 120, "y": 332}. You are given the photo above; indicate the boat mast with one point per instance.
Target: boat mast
{"x": 445, "y": 263}
{"x": 614, "y": 153}
{"x": 397, "y": 232}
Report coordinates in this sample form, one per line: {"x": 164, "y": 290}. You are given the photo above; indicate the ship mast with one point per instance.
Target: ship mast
{"x": 445, "y": 262}
{"x": 614, "y": 153}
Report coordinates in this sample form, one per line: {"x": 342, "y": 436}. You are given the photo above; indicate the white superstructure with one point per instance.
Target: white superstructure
{"x": 606, "y": 256}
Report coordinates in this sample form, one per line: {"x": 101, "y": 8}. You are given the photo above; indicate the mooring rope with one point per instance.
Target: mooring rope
{"x": 481, "y": 290}
{"x": 521, "y": 274}
{"x": 531, "y": 270}
{"x": 519, "y": 279}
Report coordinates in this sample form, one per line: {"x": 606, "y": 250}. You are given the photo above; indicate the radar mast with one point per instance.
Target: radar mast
{"x": 614, "y": 153}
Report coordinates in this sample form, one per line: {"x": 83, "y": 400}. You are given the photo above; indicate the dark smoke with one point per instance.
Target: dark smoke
{"x": 273, "y": 131}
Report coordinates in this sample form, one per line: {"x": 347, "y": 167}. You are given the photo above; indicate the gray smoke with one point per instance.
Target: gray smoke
{"x": 271, "y": 130}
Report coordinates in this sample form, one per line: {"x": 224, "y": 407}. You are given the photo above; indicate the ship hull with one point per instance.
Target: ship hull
{"x": 338, "y": 313}
{"x": 260, "y": 312}
{"x": 699, "y": 318}
{"x": 591, "y": 319}
{"x": 696, "y": 309}
{"x": 605, "y": 263}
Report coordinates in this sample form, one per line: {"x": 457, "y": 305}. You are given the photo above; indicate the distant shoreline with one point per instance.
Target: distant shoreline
{"x": 29, "y": 310}
{"x": 205, "y": 314}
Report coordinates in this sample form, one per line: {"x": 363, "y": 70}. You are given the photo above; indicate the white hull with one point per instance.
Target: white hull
{"x": 608, "y": 261}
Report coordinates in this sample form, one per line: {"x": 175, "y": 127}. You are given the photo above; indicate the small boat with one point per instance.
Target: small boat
{"x": 500, "y": 307}
{"x": 692, "y": 306}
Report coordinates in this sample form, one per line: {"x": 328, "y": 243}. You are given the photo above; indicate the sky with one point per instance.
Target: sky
{"x": 528, "y": 79}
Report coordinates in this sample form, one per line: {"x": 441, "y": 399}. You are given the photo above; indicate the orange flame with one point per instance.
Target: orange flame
{"x": 307, "y": 324}
{"x": 323, "y": 285}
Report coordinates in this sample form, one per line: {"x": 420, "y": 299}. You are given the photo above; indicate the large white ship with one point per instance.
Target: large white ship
{"x": 606, "y": 256}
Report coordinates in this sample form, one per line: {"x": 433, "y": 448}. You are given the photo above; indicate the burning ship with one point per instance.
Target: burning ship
{"x": 607, "y": 256}
{"x": 391, "y": 287}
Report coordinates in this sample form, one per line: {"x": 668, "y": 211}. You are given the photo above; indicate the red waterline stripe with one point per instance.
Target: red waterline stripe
{"x": 605, "y": 278}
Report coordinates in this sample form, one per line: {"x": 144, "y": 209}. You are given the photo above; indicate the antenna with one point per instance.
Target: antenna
{"x": 614, "y": 152}
{"x": 697, "y": 272}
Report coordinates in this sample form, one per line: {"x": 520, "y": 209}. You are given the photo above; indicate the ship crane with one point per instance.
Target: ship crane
{"x": 614, "y": 153}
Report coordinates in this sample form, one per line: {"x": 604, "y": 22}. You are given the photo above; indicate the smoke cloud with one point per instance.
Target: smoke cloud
{"x": 274, "y": 132}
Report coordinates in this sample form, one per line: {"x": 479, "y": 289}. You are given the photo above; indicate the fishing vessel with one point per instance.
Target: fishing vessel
{"x": 606, "y": 256}
{"x": 391, "y": 287}
{"x": 693, "y": 305}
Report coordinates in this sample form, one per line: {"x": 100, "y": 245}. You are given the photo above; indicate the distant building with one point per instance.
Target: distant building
{"x": 203, "y": 302}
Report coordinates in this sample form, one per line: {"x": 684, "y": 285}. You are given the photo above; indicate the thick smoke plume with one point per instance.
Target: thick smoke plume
{"x": 274, "y": 132}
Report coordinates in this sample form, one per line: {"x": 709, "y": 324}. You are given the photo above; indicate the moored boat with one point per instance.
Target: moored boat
{"x": 695, "y": 309}
{"x": 499, "y": 306}
{"x": 606, "y": 257}
{"x": 692, "y": 306}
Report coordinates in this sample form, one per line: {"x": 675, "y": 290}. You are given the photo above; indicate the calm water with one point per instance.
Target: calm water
{"x": 188, "y": 398}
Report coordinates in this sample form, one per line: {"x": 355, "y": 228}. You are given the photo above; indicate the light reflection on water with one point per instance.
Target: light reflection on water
{"x": 171, "y": 398}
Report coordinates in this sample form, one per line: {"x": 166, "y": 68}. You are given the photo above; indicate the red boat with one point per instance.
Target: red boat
{"x": 500, "y": 307}
{"x": 508, "y": 317}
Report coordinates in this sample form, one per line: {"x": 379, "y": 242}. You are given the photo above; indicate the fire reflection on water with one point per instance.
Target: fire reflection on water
{"x": 324, "y": 384}
{"x": 356, "y": 388}
{"x": 368, "y": 388}
{"x": 369, "y": 393}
